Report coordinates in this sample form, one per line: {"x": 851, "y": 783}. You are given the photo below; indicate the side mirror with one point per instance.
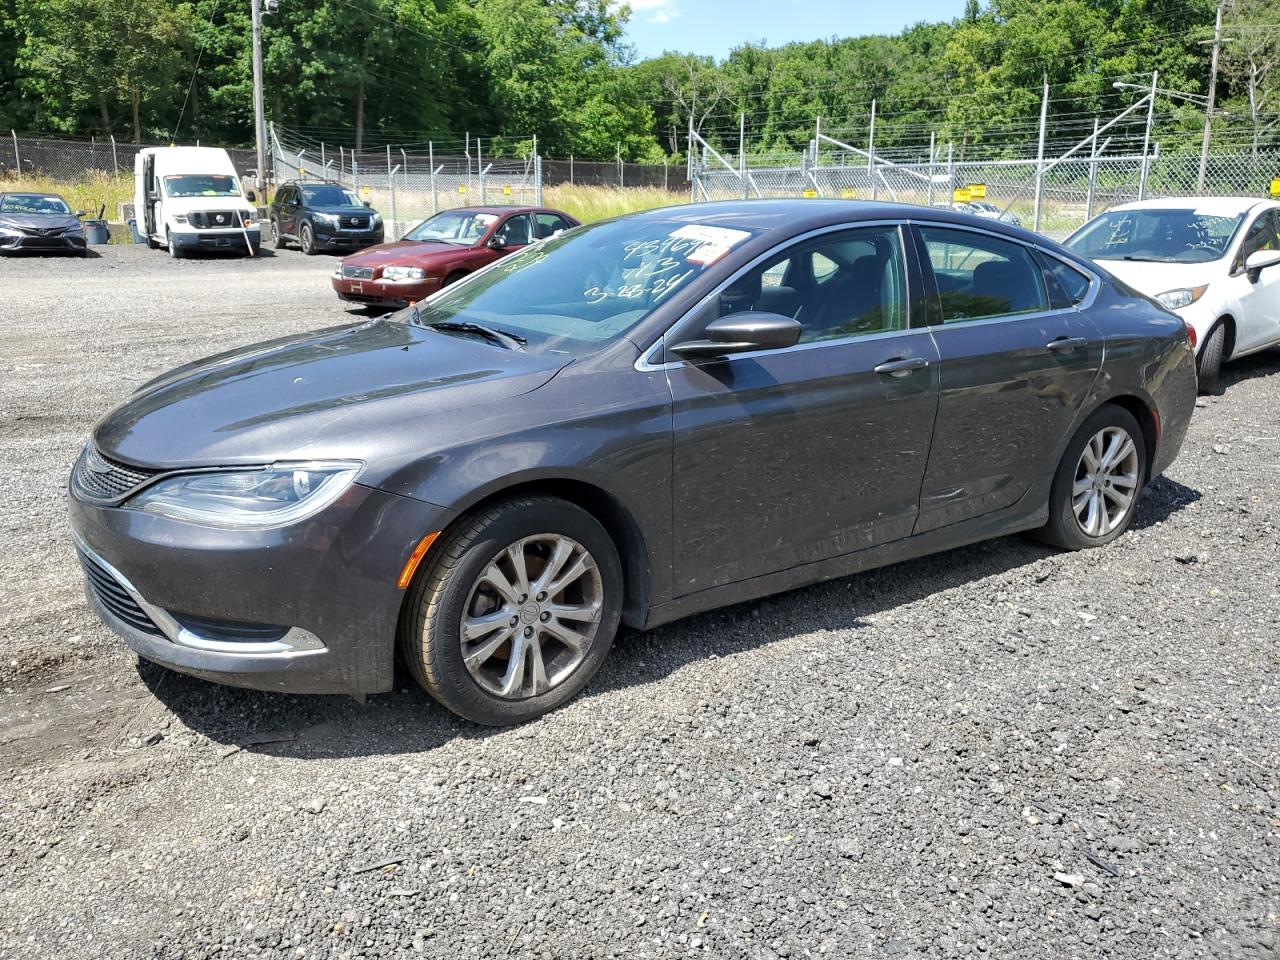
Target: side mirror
{"x": 369, "y": 204}
{"x": 251, "y": 196}
{"x": 741, "y": 333}
{"x": 1258, "y": 261}
{"x": 497, "y": 243}
{"x": 81, "y": 213}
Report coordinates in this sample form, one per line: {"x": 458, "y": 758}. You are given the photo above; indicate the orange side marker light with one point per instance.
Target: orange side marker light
{"x": 415, "y": 558}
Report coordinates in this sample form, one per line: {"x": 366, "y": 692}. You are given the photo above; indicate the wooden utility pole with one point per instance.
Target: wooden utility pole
{"x": 1208, "y": 110}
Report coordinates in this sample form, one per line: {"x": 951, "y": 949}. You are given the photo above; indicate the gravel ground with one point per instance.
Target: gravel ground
{"x": 1001, "y": 750}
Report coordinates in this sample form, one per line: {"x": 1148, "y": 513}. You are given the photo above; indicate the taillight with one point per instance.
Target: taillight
{"x": 1191, "y": 333}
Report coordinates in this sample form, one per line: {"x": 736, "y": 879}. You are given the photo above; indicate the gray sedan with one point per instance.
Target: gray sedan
{"x": 627, "y": 423}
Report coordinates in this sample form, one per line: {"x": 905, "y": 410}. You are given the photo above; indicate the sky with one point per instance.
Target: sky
{"x": 715, "y": 27}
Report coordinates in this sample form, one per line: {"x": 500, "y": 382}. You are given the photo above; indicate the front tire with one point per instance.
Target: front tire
{"x": 1095, "y": 490}
{"x": 1209, "y": 363}
{"x": 307, "y": 240}
{"x": 175, "y": 251}
{"x": 515, "y": 612}
{"x": 277, "y": 241}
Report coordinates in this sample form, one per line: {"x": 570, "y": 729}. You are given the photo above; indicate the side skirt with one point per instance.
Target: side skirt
{"x": 1013, "y": 519}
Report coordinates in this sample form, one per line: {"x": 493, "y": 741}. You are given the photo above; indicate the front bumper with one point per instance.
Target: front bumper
{"x": 237, "y": 239}
{"x": 307, "y": 608}
{"x": 385, "y": 293}
{"x": 73, "y": 243}
{"x": 333, "y": 238}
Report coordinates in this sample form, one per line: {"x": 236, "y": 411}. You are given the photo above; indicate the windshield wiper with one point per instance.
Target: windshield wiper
{"x": 512, "y": 341}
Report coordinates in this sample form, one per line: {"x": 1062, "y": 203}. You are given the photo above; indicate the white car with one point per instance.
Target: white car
{"x": 1211, "y": 260}
{"x": 989, "y": 211}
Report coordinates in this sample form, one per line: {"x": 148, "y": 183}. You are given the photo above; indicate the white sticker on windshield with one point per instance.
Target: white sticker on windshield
{"x": 714, "y": 242}
{"x": 488, "y": 219}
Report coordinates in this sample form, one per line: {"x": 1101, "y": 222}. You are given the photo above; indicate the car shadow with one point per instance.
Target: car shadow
{"x": 1263, "y": 364}
{"x": 407, "y": 720}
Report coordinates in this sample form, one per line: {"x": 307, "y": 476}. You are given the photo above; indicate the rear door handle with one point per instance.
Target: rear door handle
{"x": 1066, "y": 343}
{"x": 901, "y": 366}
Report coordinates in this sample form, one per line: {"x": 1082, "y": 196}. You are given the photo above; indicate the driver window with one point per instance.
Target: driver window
{"x": 1261, "y": 236}
{"x": 515, "y": 232}
{"x": 844, "y": 284}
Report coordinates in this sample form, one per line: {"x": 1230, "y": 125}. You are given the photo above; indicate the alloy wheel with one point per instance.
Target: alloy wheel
{"x": 1106, "y": 481}
{"x": 531, "y": 616}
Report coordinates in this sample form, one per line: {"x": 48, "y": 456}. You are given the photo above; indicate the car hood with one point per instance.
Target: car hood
{"x": 39, "y": 221}
{"x": 345, "y": 210}
{"x": 1153, "y": 278}
{"x": 362, "y": 392}
{"x": 403, "y": 251}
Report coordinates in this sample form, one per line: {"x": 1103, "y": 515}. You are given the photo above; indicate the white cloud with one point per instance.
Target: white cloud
{"x": 655, "y": 11}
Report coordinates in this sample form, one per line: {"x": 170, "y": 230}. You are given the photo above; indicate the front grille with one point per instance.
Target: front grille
{"x": 358, "y": 273}
{"x": 96, "y": 477}
{"x": 353, "y": 223}
{"x": 46, "y": 231}
{"x": 115, "y": 598}
{"x": 212, "y": 219}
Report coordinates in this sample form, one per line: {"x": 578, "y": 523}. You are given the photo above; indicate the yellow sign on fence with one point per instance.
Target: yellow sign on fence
{"x": 848, "y": 193}
{"x": 810, "y": 192}
{"x": 506, "y": 189}
{"x": 1275, "y": 187}
{"x": 977, "y": 191}
{"x": 961, "y": 195}
{"x": 462, "y": 188}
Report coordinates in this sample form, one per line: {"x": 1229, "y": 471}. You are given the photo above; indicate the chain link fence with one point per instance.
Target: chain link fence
{"x": 407, "y": 186}
{"x": 1069, "y": 191}
{"x": 71, "y": 160}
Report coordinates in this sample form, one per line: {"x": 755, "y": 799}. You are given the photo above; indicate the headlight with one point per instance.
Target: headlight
{"x": 248, "y": 499}
{"x": 178, "y": 219}
{"x": 7, "y": 231}
{"x": 1182, "y": 297}
{"x": 330, "y": 218}
{"x": 375, "y": 220}
{"x": 403, "y": 273}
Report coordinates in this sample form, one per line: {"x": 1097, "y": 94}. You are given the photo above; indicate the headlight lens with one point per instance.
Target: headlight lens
{"x": 249, "y": 499}
{"x": 375, "y": 220}
{"x": 403, "y": 273}
{"x": 330, "y": 218}
{"x": 179, "y": 219}
{"x": 6, "y": 231}
{"x": 1182, "y": 297}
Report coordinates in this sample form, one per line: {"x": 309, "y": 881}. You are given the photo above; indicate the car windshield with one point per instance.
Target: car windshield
{"x": 577, "y": 291}
{"x": 330, "y": 196}
{"x": 32, "y": 203}
{"x": 453, "y": 226}
{"x": 201, "y": 185}
{"x": 1162, "y": 236}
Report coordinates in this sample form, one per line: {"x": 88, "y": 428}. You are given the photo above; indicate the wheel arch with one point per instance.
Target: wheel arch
{"x": 608, "y": 510}
{"x": 1228, "y": 321}
{"x": 1143, "y": 410}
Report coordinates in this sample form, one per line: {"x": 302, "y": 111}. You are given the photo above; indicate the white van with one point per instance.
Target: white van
{"x": 189, "y": 198}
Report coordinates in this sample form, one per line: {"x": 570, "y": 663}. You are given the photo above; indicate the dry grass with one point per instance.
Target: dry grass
{"x": 600, "y": 203}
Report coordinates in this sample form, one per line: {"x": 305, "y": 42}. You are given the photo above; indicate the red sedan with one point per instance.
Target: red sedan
{"x": 441, "y": 250}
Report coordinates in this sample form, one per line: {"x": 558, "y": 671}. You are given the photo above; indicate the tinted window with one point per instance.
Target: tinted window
{"x": 33, "y": 203}
{"x": 1166, "y": 236}
{"x": 547, "y": 224}
{"x": 979, "y": 276}
{"x": 329, "y": 195}
{"x": 1261, "y": 236}
{"x": 839, "y": 285}
{"x": 1067, "y": 285}
{"x": 193, "y": 185}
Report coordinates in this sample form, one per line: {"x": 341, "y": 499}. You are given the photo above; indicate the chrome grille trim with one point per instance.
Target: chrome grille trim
{"x": 357, "y": 273}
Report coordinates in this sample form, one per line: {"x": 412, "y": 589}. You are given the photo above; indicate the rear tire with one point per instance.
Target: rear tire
{"x": 514, "y": 627}
{"x": 1088, "y": 506}
{"x": 1209, "y": 363}
{"x": 307, "y": 240}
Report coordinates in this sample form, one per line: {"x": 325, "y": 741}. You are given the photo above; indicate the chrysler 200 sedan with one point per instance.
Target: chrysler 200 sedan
{"x": 626, "y": 423}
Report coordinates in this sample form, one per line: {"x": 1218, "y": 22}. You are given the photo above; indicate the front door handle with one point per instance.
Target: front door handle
{"x": 1066, "y": 343}
{"x": 901, "y": 366}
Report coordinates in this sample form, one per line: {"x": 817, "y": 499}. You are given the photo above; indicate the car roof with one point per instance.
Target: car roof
{"x": 1210, "y": 206}
{"x": 797, "y": 215}
{"x": 32, "y": 193}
